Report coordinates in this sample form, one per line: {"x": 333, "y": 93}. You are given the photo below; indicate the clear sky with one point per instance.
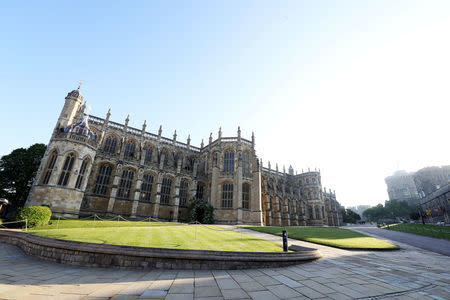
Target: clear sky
{"x": 355, "y": 88}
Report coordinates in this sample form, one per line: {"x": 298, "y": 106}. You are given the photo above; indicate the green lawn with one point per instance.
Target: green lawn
{"x": 55, "y": 224}
{"x": 148, "y": 234}
{"x": 440, "y": 232}
{"x": 335, "y": 237}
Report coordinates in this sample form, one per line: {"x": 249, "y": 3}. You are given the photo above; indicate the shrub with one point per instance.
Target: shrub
{"x": 201, "y": 211}
{"x": 36, "y": 215}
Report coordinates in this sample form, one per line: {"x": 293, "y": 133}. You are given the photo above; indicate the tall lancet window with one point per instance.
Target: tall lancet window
{"x": 50, "y": 165}
{"x": 103, "y": 179}
{"x": 130, "y": 149}
{"x": 245, "y": 195}
{"x": 81, "y": 173}
{"x": 66, "y": 170}
{"x": 228, "y": 161}
{"x": 110, "y": 144}
{"x": 125, "y": 184}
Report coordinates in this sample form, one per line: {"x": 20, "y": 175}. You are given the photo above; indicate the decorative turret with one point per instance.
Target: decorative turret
{"x": 210, "y": 138}
{"x": 159, "y": 131}
{"x": 220, "y": 133}
{"x": 202, "y": 144}
{"x": 144, "y": 126}
{"x": 72, "y": 104}
{"x": 189, "y": 140}
{"x": 291, "y": 170}
{"x": 175, "y": 136}
{"x": 127, "y": 120}
{"x": 239, "y": 132}
{"x": 253, "y": 139}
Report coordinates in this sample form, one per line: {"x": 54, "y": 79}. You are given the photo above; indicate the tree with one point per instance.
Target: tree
{"x": 374, "y": 213}
{"x": 17, "y": 171}
{"x": 349, "y": 216}
{"x": 391, "y": 210}
{"x": 201, "y": 211}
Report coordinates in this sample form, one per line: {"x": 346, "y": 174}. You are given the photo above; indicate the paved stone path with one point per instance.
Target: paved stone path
{"x": 424, "y": 242}
{"x": 411, "y": 273}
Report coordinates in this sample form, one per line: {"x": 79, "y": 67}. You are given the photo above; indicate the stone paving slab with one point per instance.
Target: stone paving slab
{"x": 410, "y": 273}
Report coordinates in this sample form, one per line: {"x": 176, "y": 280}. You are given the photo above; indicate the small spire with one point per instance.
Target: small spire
{"x": 220, "y": 132}
{"x": 276, "y": 166}
{"x": 284, "y": 169}
{"x": 253, "y": 139}
{"x": 175, "y": 135}
{"x": 269, "y": 164}
{"x": 261, "y": 162}
{"x": 189, "y": 139}
{"x": 239, "y": 131}
{"x": 127, "y": 120}
{"x": 210, "y": 138}
{"x": 83, "y": 107}
{"x": 202, "y": 144}
{"x": 160, "y": 130}
{"x": 144, "y": 125}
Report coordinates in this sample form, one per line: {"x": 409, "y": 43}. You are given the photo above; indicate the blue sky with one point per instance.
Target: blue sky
{"x": 355, "y": 88}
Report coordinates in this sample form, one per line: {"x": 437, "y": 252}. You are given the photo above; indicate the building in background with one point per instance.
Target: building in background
{"x": 401, "y": 186}
{"x": 96, "y": 166}
{"x": 431, "y": 179}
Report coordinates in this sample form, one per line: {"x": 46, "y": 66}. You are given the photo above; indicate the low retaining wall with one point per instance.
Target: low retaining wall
{"x": 101, "y": 255}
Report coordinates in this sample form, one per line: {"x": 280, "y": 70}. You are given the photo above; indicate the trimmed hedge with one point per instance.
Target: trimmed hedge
{"x": 36, "y": 215}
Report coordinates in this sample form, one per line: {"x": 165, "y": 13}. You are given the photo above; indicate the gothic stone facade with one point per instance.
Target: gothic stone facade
{"x": 93, "y": 165}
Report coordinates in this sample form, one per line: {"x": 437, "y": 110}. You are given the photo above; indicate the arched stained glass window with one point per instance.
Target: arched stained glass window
{"x": 164, "y": 155}
{"x": 103, "y": 179}
{"x": 50, "y": 165}
{"x": 148, "y": 155}
{"x": 130, "y": 149}
{"x": 245, "y": 195}
{"x": 200, "y": 189}
{"x": 165, "y": 191}
{"x": 183, "y": 192}
{"x": 66, "y": 170}
{"x": 227, "y": 195}
{"x": 126, "y": 181}
{"x": 110, "y": 144}
{"x": 228, "y": 161}
{"x": 82, "y": 172}
{"x": 146, "y": 187}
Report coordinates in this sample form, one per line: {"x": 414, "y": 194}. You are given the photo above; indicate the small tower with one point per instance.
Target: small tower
{"x": 72, "y": 105}
{"x": 67, "y": 162}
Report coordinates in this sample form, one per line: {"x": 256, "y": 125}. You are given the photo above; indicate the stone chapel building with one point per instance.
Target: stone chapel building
{"x": 96, "y": 166}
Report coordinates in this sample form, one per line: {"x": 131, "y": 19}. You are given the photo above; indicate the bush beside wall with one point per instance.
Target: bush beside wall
{"x": 36, "y": 215}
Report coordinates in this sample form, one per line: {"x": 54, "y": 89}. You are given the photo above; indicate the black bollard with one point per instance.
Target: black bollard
{"x": 285, "y": 243}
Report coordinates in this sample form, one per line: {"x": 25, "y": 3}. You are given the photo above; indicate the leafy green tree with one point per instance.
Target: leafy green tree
{"x": 391, "y": 210}
{"x": 17, "y": 171}
{"x": 349, "y": 216}
{"x": 201, "y": 211}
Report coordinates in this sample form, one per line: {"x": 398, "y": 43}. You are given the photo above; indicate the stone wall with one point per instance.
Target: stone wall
{"x": 100, "y": 255}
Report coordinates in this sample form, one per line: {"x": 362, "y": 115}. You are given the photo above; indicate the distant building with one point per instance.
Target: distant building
{"x": 401, "y": 186}
{"x": 437, "y": 205}
{"x": 431, "y": 179}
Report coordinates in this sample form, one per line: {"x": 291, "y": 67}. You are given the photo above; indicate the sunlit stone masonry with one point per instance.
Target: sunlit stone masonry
{"x": 95, "y": 166}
